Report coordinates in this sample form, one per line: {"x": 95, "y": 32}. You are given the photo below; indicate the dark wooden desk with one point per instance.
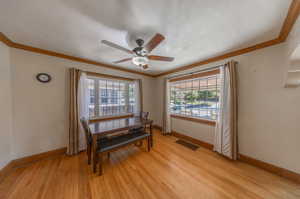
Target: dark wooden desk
{"x": 107, "y": 127}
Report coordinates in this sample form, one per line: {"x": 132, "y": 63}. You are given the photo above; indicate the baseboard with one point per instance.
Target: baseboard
{"x": 193, "y": 140}
{"x": 243, "y": 158}
{"x": 29, "y": 159}
{"x": 5, "y": 170}
{"x": 37, "y": 157}
{"x": 271, "y": 168}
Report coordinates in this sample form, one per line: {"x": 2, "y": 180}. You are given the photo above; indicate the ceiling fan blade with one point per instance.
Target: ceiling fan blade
{"x": 160, "y": 58}
{"x": 154, "y": 42}
{"x": 113, "y": 45}
{"x": 122, "y": 60}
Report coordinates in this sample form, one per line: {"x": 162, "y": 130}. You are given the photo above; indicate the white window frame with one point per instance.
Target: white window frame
{"x": 97, "y": 98}
{"x": 180, "y": 114}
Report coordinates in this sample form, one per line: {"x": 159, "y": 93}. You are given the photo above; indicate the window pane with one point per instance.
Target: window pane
{"x": 197, "y": 97}
{"x": 92, "y": 97}
{"x": 131, "y": 97}
{"x": 112, "y": 97}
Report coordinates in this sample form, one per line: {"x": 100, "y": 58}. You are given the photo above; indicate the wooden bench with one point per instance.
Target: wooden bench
{"x": 108, "y": 144}
{"x": 111, "y": 144}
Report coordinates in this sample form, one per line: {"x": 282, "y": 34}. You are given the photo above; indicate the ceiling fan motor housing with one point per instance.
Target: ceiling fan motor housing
{"x": 140, "y": 42}
{"x": 140, "y": 50}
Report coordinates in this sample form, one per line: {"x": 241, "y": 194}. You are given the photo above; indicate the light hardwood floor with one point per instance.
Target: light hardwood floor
{"x": 169, "y": 171}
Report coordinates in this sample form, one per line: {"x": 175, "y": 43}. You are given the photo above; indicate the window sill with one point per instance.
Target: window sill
{"x": 111, "y": 117}
{"x": 192, "y": 119}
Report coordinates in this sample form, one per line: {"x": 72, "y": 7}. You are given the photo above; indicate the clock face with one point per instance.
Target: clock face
{"x": 43, "y": 77}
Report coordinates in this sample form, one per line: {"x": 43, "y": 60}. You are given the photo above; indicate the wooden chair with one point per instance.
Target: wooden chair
{"x": 88, "y": 137}
{"x": 144, "y": 115}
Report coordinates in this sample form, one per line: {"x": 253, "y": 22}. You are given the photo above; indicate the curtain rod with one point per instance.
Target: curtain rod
{"x": 198, "y": 71}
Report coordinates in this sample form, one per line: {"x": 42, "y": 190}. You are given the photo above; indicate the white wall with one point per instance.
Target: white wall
{"x": 196, "y": 130}
{"x": 268, "y": 126}
{"x": 268, "y": 117}
{"x": 293, "y": 40}
{"x": 268, "y": 112}
{"x": 41, "y": 110}
{"x": 5, "y": 106}
{"x": 293, "y": 51}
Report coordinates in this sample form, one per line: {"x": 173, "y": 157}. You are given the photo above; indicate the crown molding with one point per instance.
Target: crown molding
{"x": 287, "y": 26}
{"x": 290, "y": 20}
{"x": 5, "y": 40}
{"x": 221, "y": 57}
{"x": 12, "y": 44}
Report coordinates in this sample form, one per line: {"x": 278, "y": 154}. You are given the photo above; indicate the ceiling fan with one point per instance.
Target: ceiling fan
{"x": 140, "y": 54}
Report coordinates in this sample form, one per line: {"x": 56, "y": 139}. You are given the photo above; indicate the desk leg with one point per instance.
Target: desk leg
{"x": 94, "y": 147}
{"x": 151, "y": 136}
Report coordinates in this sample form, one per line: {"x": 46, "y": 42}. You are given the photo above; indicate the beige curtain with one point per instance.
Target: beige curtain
{"x": 226, "y": 137}
{"x": 166, "y": 128}
{"x": 141, "y": 94}
{"x": 138, "y": 107}
{"x": 83, "y": 107}
{"x": 73, "y": 146}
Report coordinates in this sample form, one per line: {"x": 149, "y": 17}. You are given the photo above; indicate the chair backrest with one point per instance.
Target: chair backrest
{"x": 144, "y": 115}
{"x": 87, "y": 132}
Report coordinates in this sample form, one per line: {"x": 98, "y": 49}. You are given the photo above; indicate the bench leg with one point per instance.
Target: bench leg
{"x": 100, "y": 165}
{"x": 89, "y": 153}
{"x": 151, "y": 136}
{"x": 95, "y": 161}
{"x": 108, "y": 155}
{"x": 148, "y": 143}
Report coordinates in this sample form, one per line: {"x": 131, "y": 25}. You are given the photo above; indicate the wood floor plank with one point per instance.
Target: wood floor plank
{"x": 232, "y": 172}
{"x": 169, "y": 171}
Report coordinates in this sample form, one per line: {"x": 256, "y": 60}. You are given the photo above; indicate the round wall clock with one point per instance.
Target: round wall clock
{"x": 43, "y": 77}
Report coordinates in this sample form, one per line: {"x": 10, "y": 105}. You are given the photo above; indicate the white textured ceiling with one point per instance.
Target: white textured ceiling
{"x": 194, "y": 29}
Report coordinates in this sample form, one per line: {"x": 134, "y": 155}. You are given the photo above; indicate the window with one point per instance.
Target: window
{"x": 197, "y": 97}
{"x": 110, "y": 97}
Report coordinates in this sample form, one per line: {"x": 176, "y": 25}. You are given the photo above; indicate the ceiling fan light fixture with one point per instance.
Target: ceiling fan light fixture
{"x": 138, "y": 60}
{"x": 140, "y": 53}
